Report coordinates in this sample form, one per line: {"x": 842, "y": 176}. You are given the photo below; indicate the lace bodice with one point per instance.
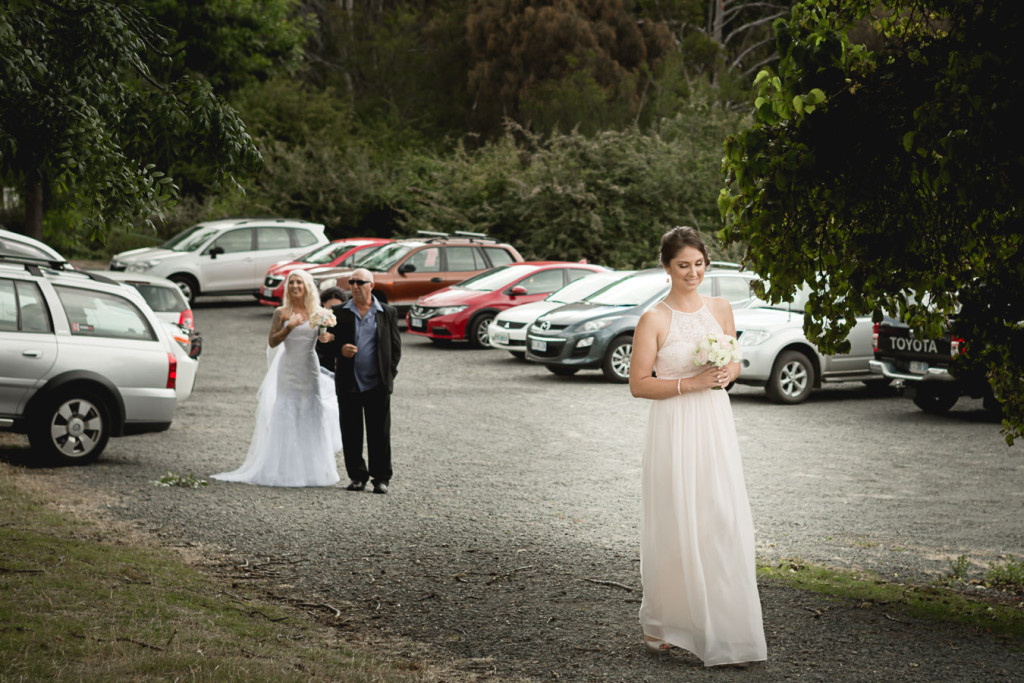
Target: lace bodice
{"x": 675, "y": 357}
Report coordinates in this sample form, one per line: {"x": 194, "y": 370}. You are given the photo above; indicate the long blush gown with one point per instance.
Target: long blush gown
{"x": 297, "y": 432}
{"x": 696, "y": 532}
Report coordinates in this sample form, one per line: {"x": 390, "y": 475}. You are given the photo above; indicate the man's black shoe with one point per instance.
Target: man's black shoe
{"x": 356, "y": 486}
{"x": 380, "y": 487}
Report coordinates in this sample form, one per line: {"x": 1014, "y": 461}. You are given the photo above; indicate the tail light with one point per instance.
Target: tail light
{"x": 186, "y": 319}
{"x": 956, "y": 347}
{"x": 172, "y": 371}
{"x": 874, "y": 336}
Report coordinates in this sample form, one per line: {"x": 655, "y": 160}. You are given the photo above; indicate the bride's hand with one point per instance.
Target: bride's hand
{"x": 295, "y": 321}
{"x": 326, "y": 337}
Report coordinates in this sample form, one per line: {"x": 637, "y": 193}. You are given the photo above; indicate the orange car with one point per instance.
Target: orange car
{"x": 405, "y": 270}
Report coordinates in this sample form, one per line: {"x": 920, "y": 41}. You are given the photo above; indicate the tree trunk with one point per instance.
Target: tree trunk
{"x": 34, "y": 206}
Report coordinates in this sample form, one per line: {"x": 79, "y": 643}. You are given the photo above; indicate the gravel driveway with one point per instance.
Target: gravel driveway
{"x": 508, "y": 545}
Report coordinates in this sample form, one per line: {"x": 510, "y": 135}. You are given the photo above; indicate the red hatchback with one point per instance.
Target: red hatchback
{"x": 344, "y": 252}
{"x": 465, "y": 310}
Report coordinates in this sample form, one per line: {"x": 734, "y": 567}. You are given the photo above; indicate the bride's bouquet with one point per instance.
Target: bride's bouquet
{"x": 718, "y": 350}
{"x": 322, "y": 318}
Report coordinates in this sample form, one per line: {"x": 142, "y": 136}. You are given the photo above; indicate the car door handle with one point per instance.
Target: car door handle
{"x": 32, "y": 353}
{"x": 436, "y": 279}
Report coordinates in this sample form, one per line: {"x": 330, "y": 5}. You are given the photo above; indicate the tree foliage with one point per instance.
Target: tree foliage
{"x": 607, "y": 198}
{"x": 534, "y": 51}
{"x": 885, "y": 177}
{"x": 82, "y": 118}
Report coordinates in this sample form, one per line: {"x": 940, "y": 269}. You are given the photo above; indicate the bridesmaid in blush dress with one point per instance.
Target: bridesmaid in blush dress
{"x": 696, "y": 532}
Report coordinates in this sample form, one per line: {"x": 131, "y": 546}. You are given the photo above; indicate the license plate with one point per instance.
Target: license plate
{"x": 918, "y": 367}
{"x": 417, "y": 323}
{"x": 500, "y": 337}
{"x": 268, "y": 293}
{"x": 538, "y": 345}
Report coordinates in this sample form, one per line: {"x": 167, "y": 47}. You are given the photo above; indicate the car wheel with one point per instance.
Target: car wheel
{"x": 616, "y": 360}
{"x": 477, "y": 334}
{"x": 188, "y": 286}
{"x": 71, "y": 429}
{"x": 561, "y": 370}
{"x": 518, "y": 355}
{"x": 792, "y": 378}
{"x": 935, "y": 400}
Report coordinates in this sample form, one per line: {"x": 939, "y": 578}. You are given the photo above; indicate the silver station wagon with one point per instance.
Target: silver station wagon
{"x": 82, "y": 358}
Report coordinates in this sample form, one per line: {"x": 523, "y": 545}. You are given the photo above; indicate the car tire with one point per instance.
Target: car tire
{"x": 188, "y": 286}
{"x": 562, "y": 370}
{"x": 792, "y": 378}
{"x": 615, "y": 365}
{"x": 935, "y": 400}
{"x": 476, "y": 332}
{"x": 71, "y": 428}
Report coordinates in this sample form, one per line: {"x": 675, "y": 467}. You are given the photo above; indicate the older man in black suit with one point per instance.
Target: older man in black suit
{"x": 367, "y": 345}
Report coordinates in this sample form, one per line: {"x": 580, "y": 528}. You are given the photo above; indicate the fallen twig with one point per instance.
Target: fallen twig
{"x": 614, "y": 584}
{"x": 337, "y": 612}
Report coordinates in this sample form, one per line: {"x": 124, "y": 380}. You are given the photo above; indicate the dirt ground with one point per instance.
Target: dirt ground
{"x": 507, "y": 548}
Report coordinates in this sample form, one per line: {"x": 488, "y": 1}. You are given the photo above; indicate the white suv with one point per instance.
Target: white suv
{"x": 82, "y": 358}
{"x": 228, "y": 256}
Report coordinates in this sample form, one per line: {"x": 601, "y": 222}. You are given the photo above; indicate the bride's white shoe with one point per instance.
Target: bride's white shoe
{"x": 656, "y": 646}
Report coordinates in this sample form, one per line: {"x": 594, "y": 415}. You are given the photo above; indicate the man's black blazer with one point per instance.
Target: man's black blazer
{"x": 389, "y": 347}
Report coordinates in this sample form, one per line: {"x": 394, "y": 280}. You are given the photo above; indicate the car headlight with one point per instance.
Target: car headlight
{"x": 449, "y": 310}
{"x": 594, "y": 325}
{"x": 753, "y": 337}
{"x": 140, "y": 266}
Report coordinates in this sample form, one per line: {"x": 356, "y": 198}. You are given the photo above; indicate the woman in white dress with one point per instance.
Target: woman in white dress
{"x": 297, "y": 430}
{"x": 696, "y": 532}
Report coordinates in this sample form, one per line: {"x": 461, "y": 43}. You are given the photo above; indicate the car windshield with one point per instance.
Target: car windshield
{"x": 388, "y": 255}
{"x": 496, "y": 278}
{"x": 363, "y": 255}
{"x": 631, "y": 291}
{"x": 325, "y": 253}
{"x": 578, "y": 290}
{"x": 191, "y": 239}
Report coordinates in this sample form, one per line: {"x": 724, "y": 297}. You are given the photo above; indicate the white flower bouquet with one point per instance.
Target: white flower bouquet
{"x": 322, "y": 318}
{"x": 718, "y": 350}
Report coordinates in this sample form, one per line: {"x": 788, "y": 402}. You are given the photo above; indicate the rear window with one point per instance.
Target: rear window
{"x": 499, "y": 256}
{"x": 303, "y": 238}
{"x": 99, "y": 314}
{"x": 161, "y": 299}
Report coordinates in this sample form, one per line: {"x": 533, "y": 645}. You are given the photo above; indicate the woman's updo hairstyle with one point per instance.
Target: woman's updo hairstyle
{"x": 676, "y": 239}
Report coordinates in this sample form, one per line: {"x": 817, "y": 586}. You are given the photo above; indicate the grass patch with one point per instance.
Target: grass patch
{"x": 1002, "y": 614}
{"x": 76, "y": 606}
{"x": 1008, "y": 574}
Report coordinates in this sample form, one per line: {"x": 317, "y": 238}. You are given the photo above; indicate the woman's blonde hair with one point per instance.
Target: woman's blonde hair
{"x": 311, "y": 299}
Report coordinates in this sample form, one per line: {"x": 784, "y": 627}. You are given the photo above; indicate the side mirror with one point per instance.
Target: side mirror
{"x": 518, "y": 290}
{"x": 406, "y": 268}
{"x": 215, "y": 251}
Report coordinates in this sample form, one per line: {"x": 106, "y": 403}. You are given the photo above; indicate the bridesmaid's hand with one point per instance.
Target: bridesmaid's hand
{"x": 713, "y": 377}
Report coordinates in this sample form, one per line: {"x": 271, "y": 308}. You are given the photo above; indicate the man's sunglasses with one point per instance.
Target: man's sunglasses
{"x": 359, "y": 283}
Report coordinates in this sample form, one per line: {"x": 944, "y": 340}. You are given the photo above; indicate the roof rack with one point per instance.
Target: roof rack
{"x": 33, "y": 264}
{"x": 727, "y": 264}
{"x": 471, "y": 236}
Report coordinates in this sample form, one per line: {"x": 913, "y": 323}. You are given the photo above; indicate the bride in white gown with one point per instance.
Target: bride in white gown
{"x": 696, "y": 532}
{"x": 297, "y": 430}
